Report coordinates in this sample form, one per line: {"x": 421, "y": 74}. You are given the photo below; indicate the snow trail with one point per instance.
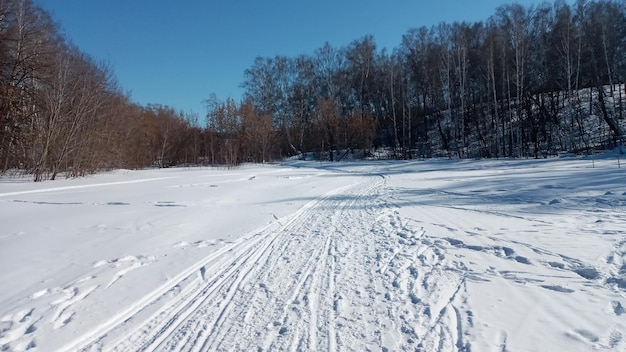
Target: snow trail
{"x": 330, "y": 277}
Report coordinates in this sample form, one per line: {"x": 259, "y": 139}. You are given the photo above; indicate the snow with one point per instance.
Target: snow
{"x": 438, "y": 255}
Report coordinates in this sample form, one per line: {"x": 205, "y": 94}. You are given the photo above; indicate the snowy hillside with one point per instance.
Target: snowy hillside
{"x": 509, "y": 255}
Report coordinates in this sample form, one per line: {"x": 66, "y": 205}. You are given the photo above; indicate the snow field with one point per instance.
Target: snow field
{"x": 425, "y": 255}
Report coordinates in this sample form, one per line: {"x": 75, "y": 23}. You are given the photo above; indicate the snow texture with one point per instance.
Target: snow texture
{"x": 509, "y": 255}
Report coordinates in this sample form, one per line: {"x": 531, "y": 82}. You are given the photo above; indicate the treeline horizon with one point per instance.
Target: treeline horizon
{"x": 526, "y": 82}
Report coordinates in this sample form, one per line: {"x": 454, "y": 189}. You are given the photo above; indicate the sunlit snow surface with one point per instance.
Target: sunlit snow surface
{"x": 509, "y": 255}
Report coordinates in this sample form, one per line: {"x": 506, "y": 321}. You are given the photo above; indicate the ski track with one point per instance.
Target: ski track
{"x": 346, "y": 272}
{"x": 77, "y": 187}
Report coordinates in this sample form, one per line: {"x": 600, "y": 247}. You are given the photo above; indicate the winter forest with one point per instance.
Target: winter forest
{"x": 528, "y": 82}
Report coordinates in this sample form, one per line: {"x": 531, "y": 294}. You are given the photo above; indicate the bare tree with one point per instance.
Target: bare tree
{"x": 27, "y": 40}
{"x": 257, "y": 133}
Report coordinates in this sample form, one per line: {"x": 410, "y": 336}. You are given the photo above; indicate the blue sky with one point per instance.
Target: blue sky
{"x": 177, "y": 53}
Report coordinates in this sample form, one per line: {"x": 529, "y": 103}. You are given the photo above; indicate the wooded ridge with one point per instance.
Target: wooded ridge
{"x": 526, "y": 82}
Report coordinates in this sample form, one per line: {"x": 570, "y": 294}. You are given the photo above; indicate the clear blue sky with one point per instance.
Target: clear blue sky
{"x": 177, "y": 53}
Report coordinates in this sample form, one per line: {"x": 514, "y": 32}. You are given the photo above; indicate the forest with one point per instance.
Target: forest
{"x": 528, "y": 82}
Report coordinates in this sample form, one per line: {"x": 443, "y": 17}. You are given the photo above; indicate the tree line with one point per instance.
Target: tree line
{"x": 61, "y": 112}
{"x": 527, "y": 82}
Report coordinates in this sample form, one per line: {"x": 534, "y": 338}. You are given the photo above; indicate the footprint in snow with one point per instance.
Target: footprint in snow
{"x": 522, "y": 260}
{"x": 557, "y": 288}
{"x": 40, "y": 293}
{"x": 126, "y": 264}
{"x": 168, "y": 204}
{"x": 63, "y": 313}
{"x": 181, "y": 244}
{"x": 557, "y": 265}
{"x": 620, "y": 282}
{"x": 17, "y": 329}
{"x": 587, "y": 273}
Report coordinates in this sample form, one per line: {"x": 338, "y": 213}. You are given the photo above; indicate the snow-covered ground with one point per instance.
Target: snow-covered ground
{"x": 426, "y": 255}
